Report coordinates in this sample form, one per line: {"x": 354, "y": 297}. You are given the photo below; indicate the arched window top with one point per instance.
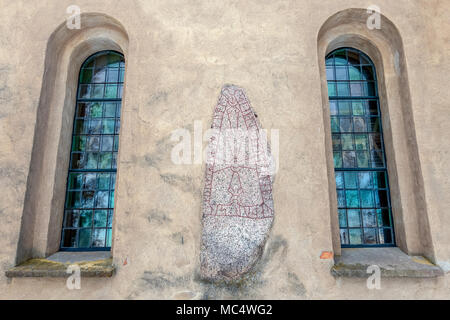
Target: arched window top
{"x": 101, "y": 76}
{"x": 350, "y": 73}
{"x": 89, "y": 204}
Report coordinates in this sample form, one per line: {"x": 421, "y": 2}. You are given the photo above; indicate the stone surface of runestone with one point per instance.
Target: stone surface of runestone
{"x": 238, "y": 207}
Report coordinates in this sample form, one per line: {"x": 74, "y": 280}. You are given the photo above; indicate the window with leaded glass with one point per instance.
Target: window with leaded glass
{"x": 362, "y": 187}
{"x": 89, "y": 204}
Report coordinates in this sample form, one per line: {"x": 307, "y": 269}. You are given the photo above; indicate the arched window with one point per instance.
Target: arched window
{"x": 89, "y": 204}
{"x": 362, "y": 187}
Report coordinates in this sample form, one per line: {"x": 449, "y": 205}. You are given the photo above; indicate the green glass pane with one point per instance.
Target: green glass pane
{"x": 352, "y": 198}
{"x": 87, "y": 199}
{"x": 108, "y": 126}
{"x": 355, "y": 73}
{"x": 81, "y": 126}
{"x": 110, "y": 218}
{"x": 331, "y": 89}
{"x": 355, "y": 236}
{"x": 341, "y": 198}
{"x": 92, "y": 160}
{"x": 112, "y": 76}
{"x": 366, "y": 198}
{"x": 365, "y": 180}
{"x": 103, "y": 181}
{"x": 333, "y": 107}
{"x": 89, "y": 181}
{"x": 330, "y": 73}
{"x": 102, "y": 199}
{"x": 111, "y": 199}
{"x": 349, "y": 159}
{"x": 110, "y": 109}
{"x": 116, "y": 143}
{"x": 351, "y": 180}
{"x": 345, "y": 108}
{"x": 381, "y": 198}
{"x": 108, "y": 237}
{"x": 99, "y": 238}
{"x": 96, "y": 110}
{"x": 379, "y": 179}
{"x": 347, "y": 141}
{"x": 369, "y": 217}
{"x": 374, "y": 125}
{"x": 342, "y": 218}
{"x": 340, "y": 57}
{"x": 337, "y": 158}
{"x": 98, "y": 90}
{"x": 356, "y": 89}
{"x": 362, "y": 159}
{"x": 113, "y": 181}
{"x": 84, "y": 240}
{"x": 370, "y": 236}
{"x": 105, "y": 160}
{"x": 78, "y": 143}
{"x": 100, "y": 218}
{"x": 358, "y": 108}
{"x": 329, "y": 61}
{"x": 344, "y": 236}
{"x": 122, "y": 74}
{"x": 334, "y": 124}
{"x": 343, "y": 89}
{"x": 354, "y": 219}
{"x": 336, "y": 139}
{"x": 107, "y": 143}
{"x": 341, "y": 73}
{"x": 75, "y": 180}
{"x": 359, "y": 124}
{"x": 93, "y": 143}
{"x": 339, "y": 180}
{"x": 72, "y": 219}
{"x": 78, "y": 161}
{"x": 99, "y": 75}
{"x": 95, "y": 127}
{"x": 345, "y": 125}
{"x": 73, "y": 199}
{"x": 117, "y": 126}
{"x": 84, "y": 91}
{"x": 361, "y": 142}
{"x": 85, "y": 218}
{"x": 111, "y": 91}
{"x": 86, "y": 76}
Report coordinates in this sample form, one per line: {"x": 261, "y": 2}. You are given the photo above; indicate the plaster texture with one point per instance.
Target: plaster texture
{"x": 178, "y": 56}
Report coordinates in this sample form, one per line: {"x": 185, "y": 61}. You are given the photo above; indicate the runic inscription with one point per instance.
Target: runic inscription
{"x": 237, "y": 199}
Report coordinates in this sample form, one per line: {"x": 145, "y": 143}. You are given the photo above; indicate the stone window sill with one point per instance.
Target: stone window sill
{"x": 92, "y": 264}
{"x": 392, "y": 262}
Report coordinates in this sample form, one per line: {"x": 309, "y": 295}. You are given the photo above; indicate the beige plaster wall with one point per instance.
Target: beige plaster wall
{"x": 179, "y": 55}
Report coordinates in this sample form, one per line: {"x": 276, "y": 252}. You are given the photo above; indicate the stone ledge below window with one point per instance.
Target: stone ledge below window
{"x": 393, "y": 262}
{"x": 92, "y": 264}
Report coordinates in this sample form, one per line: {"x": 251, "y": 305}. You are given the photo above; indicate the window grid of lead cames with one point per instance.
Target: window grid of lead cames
{"x": 96, "y": 135}
{"x": 89, "y": 209}
{"x": 102, "y": 78}
{"x": 89, "y": 202}
{"x": 363, "y": 207}
{"x": 350, "y": 73}
{"x": 356, "y": 134}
